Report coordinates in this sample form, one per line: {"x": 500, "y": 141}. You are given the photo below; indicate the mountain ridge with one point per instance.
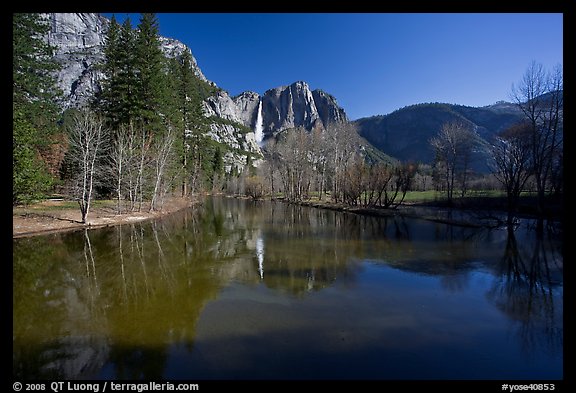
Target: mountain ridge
{"x": 405, "y": 133}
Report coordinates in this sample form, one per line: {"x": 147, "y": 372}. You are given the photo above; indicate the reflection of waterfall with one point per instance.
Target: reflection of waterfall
{"x": 259, "y": 132}
{"x": 260, "y": 255}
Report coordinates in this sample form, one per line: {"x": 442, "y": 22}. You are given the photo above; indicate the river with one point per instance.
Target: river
{"x": 237, "y": 289}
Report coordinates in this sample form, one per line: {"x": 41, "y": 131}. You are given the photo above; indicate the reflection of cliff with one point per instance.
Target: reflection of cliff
{"x": 57, "y": 327}
{"x": 119, "y": 296}
{"x": 529, "y": 291}
{"x": 301, "y": 250}
{"x": 121, "y": 302}
{"x": 254, "y": 238}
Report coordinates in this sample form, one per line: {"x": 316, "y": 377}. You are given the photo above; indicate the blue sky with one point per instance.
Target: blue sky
{"x": 372, "y": 63}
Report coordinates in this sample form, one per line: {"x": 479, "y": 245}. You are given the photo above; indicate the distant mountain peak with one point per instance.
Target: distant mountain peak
{"x": 283, "y": 107}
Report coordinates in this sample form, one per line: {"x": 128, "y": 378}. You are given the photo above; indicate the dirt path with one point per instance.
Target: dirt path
{"x": 55, "y": 216}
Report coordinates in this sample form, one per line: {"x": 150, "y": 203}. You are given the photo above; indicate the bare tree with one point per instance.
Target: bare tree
{"x": 163, "y": 154}
{"x": 454, "y": 146}
{"x": 120, "y": 160}
{"x": 319, "y": 158}
{"x": 354, "y": 182}
{"x": 540, "y": 97}
{"x": 403, "y": 179}
{"x": 128, "y": 160}
{"x": 144, "y": 144}
{"x": 268, "y": 170}
{"x": 511, "y": 164}
{"x": 131, "y": 163}
{"x": 294, "y": 163}
{"x": 342, "y": 143}
{"x": 87, "y": 143}
{"x": 254, "y": 187}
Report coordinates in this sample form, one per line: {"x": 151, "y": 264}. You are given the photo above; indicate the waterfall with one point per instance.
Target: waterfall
{"x": 259, "y": 132}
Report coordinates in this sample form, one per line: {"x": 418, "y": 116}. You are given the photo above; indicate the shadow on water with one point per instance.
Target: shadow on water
{"x": 221, "y": 290}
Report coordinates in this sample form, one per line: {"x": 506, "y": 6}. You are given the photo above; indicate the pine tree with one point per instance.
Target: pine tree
{"x": 149, "y": 62}
{"x": 119, "y": 88}
{"x": 33, "y": 84}
{"x": 34, "y": 107}
{"x": 107, "y": 102}
{"x": 188, "y": 92}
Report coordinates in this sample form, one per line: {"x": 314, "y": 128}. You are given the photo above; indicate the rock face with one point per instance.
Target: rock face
{"x": 282, "y": 108}
{"x": 175, "y": 49}
{"x": 296, "y": 105}
{"x": 222, "y": 105}
{"x": 246, "y": 107}
{"x": 328, "y": 108}
{"x": 79, "y": 42}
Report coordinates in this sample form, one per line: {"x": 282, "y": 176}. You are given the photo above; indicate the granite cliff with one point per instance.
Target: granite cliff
{"x": 79, "y": 41}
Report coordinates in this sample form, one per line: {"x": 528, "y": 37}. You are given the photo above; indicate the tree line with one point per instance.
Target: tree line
{"x": 331, "y": 163}
{"x": 144, "y": 136}
{"x": 528, "y": 152}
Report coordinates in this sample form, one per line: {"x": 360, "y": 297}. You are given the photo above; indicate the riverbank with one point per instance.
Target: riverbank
{"x": 430, "y": 213}
{"x": 58, "y": 215}
{"x": 474, "y": 213}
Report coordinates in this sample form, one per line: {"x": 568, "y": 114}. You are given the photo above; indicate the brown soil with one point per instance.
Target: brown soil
{"x": 50, "y": 216}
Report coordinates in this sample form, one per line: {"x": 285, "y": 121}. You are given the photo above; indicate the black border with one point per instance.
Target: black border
{"x": 331, "y": 6}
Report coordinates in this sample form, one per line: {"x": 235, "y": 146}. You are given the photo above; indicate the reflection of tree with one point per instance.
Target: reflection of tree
{"x": 527, "y": 291}
{"x": 169, "y": 279}
{"x": 56, "y": 322}
{"x": 119, "y": 295}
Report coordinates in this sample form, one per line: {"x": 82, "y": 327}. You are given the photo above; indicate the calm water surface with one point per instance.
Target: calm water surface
{"x": 264, "y": 290}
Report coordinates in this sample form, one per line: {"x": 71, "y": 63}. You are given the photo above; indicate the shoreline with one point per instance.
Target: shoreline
{"x": 50, "y": 217}
{"x": 456, "y": 217}
{"x": 463, "y": 216}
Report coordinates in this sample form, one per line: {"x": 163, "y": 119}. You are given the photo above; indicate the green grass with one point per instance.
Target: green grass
{"x": 431, "y": 195}
{"x": 422, "y": 196}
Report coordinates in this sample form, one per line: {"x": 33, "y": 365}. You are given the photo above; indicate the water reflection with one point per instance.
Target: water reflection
{"x": 260, "y": 255}
{"x": 120, "y": 302}
{"x": 527, "y": 291}
{"x": 117, "y": 298}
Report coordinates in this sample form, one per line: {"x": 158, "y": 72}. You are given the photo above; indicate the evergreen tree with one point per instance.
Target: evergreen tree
{"x": 149, "y": 62}
{"x": 154, "y": 94}
{"x": 217, "y": 161}
{"x": 118, "y": 98}
{"x": 106, "y": 101}
{"x": 177, "y": 115}
{"x": 188, "y": 91}
{"x": 34, "y": 87}
{"x": 34, "y": 107}
{"x": 30, "y": 179}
